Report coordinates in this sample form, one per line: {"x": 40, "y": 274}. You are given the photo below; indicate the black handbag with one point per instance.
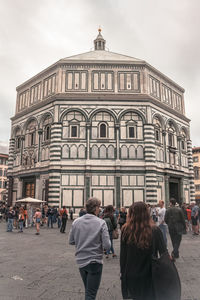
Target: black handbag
{"x": 165, "y": 278}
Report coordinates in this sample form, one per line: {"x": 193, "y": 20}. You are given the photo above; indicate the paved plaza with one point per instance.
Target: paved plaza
{"x": 43, "y": 267}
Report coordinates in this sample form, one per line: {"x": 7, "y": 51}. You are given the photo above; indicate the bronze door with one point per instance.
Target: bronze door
{"x": 30, "y": 189}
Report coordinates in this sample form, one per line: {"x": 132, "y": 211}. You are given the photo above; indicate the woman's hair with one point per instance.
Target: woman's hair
{"x": 138, "y": 227}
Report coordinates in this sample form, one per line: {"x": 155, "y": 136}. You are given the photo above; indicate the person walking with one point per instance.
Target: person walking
{"x": 111, "y": 223}
{"x": 137, "y": 238}
{"x": 64, "y": 218}
{"x": 71, "y": 211}
{"x": 161, "y": 219}
{"x": 174, "y": 218}
{"x": 21, "y": 219}
{"x": 90, "y": 236}
{"x": 10, "y": 219}
{"x": 50, "y": 214}
{"x": 122, "y": 217}
{"x": 194, "y": 216}
{"x": 37, "y": 218}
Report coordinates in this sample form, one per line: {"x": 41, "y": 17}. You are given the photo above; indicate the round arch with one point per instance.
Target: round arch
{"x": 133, "y": 111}
{"x": 14, "y": 130}
{"x": 28, "y": 121}
{"x": 174, "y": 124}
{"x": 43, "y": 118}
{"x": 160, "y": 118}
{"x": 103, "y": 110}
{"x": 65, "y": 112}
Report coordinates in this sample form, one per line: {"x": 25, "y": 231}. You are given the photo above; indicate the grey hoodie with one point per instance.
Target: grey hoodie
{"x": 90, "y": 236}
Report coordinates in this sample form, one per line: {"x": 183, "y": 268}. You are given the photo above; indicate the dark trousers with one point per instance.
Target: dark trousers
{"x": 63, "y": 225}
{"x": 50, "y": 220}
{"x": 91, "y": 276}
{"x": 176, "y": 241}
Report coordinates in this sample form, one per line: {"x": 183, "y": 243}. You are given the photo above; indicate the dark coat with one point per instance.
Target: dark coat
{"x": 175, "y": 220}
{"x": 135, "y": 266}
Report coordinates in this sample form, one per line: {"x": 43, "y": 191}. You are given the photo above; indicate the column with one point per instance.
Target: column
{"x": 164, "y": 145}
{"x": 88, "y": 126}
{"x": 87, "y": 186}
{"x": 191, "y": 170}
{"x": 166, "y": 191}
{"x": 118, "y": 189}
{"x": 39, "y": 144}
{"x": 150, "y": 161}
{"x": 179, "y": 149}
{"x": 22, "y": 148}
{"x": 54, "y": 165}
{"x": 117, "y": 127}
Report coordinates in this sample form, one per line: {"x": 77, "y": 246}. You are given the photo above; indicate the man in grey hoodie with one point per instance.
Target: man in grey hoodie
{"x": 90, "y": 236}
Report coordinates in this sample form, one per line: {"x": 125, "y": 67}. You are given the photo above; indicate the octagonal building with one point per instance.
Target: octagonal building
{"x": 100, "y": 124}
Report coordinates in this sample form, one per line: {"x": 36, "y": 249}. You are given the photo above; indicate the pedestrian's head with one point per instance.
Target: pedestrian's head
{"x": 138, "y": 228}
{"x": 161, "y": 203}
{"x": 109, "y": 209}
{"x": 37, "y": 209}
{"x": 172, "y": 201}
{"x": 92, "y": 205}
{"x": 64, "y": 207}
{"x": 192, "y": 203}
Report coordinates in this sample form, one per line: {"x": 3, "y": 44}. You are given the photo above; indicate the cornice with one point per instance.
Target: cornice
{"x": 86, "y": 97}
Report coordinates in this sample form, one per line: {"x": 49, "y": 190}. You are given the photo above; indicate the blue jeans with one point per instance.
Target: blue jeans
{"x": 10, "y": 225}
{"x": 111, "y": 240}
{"x": 21, "y": 223}
{"x": 163, "y": 228}
{"x": 91, "y": 276}
{"x": 59, "y": 222}
{"x": 50, "y": 220}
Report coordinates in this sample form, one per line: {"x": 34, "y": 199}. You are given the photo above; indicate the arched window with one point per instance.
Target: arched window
{"x": 103, "y": 130}
{"x": 47, "y": 133}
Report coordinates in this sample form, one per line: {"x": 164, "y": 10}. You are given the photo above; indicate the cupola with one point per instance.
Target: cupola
{"x": 99, "y": 42}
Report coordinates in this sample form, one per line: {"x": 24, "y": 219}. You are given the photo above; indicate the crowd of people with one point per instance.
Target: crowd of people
{"x": 143, "y": 235}
{"x": 20, "y": 217}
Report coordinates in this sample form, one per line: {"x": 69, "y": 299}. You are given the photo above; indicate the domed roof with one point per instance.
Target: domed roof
{"x": 101, "y": 55}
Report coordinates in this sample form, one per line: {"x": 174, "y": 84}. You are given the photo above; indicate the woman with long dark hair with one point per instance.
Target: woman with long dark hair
{"x": 111, "y": 222}
{"x": 138, "y": 235}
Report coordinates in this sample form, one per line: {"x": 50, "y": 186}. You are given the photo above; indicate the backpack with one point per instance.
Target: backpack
{"x": 64, "y": 215}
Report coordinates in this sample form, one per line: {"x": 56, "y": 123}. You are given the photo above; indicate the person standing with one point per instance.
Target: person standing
{"x": 138, "y": 235}
{"x": 194, "y": 216}
{"x": 122, "y": 217}
{"x": 64, "y": 217}
{"x": 37, "y": 218}
{"x": 176, "y": 223}
{"x": 111, "y": 223}
{"x": 10, "y": 218}
{"x": 21, "y": 219}
{"x": 161, "y": 220}
{"x": 71, "y": 214}
{"x": 90, "y": 236}
{"x": 50, "y": 214}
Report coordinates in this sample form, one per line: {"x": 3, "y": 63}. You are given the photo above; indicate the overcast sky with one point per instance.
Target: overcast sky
{"x": 35, "y": 34}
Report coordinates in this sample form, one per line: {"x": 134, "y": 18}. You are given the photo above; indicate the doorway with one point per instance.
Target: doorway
{"x": 174, "y": 189}
{"x": 29, "y": 188}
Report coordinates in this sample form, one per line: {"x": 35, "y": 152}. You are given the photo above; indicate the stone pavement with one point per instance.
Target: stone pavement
{"x": 43, "y": 267}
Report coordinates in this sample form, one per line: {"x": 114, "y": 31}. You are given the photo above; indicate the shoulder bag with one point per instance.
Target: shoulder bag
{"x": 165, "y": 277}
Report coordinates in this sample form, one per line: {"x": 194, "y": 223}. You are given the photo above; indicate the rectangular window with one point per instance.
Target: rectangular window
{"x": 74, "y": 131}
{"x": 131, "y": 131}
{"x": 1, "y": 172}
{"x": 157, "y": 135}
{"x": 197, "y": 187}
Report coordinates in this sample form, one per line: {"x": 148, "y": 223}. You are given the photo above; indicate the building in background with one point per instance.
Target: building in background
{"x": 196, "y": 164}
{"x": 3, "y": 176}
{"x": 100, "y": 124}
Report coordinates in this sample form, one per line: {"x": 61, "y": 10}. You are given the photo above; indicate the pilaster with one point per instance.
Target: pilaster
{"x": 191, "y": 170}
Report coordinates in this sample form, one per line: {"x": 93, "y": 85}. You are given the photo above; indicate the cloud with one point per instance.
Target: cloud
{"x": 35, "y": 34}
